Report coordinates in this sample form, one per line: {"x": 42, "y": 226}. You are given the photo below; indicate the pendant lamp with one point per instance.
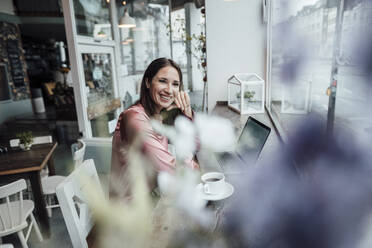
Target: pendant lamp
{"x": 126, "y": 21}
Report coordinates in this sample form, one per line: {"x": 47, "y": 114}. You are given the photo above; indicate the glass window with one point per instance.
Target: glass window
{"x": 353, "y": 94}
{"x": 140, "y": 44}
{"x": 302, "y": 64}
{"x": 93, "y": 18}
{"x": 189, "y": 50}
{"x": 98, "y": 75}
{"x": 179, "y": 38}
{"x": 301, "y": 60}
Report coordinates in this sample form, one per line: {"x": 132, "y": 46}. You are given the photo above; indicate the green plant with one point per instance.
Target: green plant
{"x": 197, "y": 46}
{"x": 248, "y": 95}
{"x": 197, "y": 41}
{"x": 25, "y": 138}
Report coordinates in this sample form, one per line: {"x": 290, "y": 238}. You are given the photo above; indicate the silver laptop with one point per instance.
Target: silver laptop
{"x": 251, "y": 141}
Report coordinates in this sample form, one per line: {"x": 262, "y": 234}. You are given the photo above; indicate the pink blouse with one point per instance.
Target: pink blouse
{"x": 155, "y": 146}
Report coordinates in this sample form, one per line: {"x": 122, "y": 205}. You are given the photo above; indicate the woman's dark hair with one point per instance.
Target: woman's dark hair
{"x": 145, "y": 96}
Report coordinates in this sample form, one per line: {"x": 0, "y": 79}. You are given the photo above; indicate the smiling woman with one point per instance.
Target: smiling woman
{"x": 161, "y": 89}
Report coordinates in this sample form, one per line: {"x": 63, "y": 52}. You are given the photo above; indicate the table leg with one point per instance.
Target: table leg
{"x": 52, "y": 170}
{"x": 40, "y": 209}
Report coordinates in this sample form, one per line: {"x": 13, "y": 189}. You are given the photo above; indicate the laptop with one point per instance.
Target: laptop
{"x": 251, "y": 141}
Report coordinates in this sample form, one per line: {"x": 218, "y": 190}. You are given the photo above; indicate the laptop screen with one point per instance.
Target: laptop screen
{"x": 252, "y": 140}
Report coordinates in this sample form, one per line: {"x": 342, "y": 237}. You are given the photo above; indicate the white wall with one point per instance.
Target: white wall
{"x": 6, "y": 6}
{"x": 236, "y": 42}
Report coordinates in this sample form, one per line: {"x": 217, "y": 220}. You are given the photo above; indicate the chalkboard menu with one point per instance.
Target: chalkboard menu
{"x": 12, "y": 57}
{"x": 4, "y": 85}
{"x": 15, "y": 63}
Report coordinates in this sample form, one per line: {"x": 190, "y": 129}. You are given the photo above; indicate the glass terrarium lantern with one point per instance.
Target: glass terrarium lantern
{"x": 246, "y": 93}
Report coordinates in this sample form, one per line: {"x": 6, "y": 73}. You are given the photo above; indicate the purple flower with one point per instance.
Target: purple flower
{"x": 316, "y": 194}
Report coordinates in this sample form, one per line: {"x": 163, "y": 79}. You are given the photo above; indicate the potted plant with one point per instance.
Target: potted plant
{"x": 247, "y": 95}
{"x": 25, "y": 140}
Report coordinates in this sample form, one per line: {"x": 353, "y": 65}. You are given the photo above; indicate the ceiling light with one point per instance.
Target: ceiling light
{"x": 126, "y": 21}
{"x": 138, "y": 29}
{"x": 127, "y": 41}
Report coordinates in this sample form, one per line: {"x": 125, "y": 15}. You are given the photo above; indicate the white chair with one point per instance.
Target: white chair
{"x": 78, "y": 152}
{"x": 70, "y": 193}
{"x": 14, "y": 214}
{"x": 6, "y": 246}
{"x": 48, "y": 183}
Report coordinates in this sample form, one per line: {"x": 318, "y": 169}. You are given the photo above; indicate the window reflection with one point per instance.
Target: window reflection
{"x": 302, "y": 50}
{"x": 353, "y": 98}
{"x": 148, "y": 40}
{"x": 302, "y": 55}
{"x": 179, "y": 43}
{"x": 98, "y": 76}
{"x": 99, "y": 92}
{"x": 93, "y": 18}
{"x": 143, "y": 43}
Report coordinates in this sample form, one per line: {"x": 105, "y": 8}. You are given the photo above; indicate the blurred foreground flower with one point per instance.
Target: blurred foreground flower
{"x": 294, "y": 60}
{"x": 180, "y": 189}
{"x": 135, "y": 222}
{"x": 216, "y": 134}
{"x": 182, "y": 136}
{"x": 206, "y": 129}
{"x": 323, "y": 200}
{"x": 124, "y": 223}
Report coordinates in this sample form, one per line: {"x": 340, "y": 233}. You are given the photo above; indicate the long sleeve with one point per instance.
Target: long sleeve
{"x": 155, "y": 146}
{"x": 132, "y": 123}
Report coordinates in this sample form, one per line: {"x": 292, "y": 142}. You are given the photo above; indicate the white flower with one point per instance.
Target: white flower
{"x": 215, "y": 133}
{"x": 366, "y": 239}
{"x": 182, "y": 136}
{"x": 181, "y": 189}
{"x": 120, "y": 221}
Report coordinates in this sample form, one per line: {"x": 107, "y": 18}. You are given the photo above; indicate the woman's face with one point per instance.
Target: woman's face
{"x": 164, "y": 86}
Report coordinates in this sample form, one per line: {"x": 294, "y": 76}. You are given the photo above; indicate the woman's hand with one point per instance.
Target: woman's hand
{"x": 182, "y": 101}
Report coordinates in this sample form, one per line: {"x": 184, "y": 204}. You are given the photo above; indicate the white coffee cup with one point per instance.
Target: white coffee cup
{"x": 213, "y": 183}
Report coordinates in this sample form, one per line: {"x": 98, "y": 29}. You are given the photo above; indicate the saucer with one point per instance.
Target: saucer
{"x": 229, "y": 190}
